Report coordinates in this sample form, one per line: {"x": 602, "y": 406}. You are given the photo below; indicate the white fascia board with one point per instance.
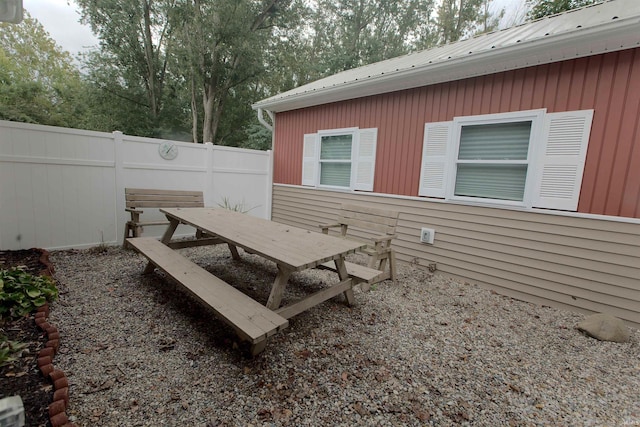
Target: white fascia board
{"x": 609, "y": 37}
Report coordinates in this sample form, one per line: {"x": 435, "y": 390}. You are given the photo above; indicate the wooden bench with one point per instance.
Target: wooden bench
{"x": 377, "y": 228}
{"x": 136, "y": 198}
{"x": 252, "y": 321}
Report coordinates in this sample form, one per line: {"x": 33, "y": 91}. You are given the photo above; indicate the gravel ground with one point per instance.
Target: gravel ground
{"x": 427, "y": 351}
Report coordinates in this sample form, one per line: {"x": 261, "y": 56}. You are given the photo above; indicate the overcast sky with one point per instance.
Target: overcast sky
{"x": 61, "y": 20}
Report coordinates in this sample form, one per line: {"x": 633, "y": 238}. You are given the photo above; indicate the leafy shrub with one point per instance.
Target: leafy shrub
{"x": 236, "y": 207}
{"x": 9, "y": 350}
{"x": 22, "y": 292}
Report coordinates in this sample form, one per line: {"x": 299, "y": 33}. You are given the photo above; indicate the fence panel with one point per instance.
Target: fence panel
{"x": 56, "y": 187}
{"x": 63, "y": 188}
{"x": 242, "y": 179}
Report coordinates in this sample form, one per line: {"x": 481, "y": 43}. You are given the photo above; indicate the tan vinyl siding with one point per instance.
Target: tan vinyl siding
{"x": 576, "y": 263}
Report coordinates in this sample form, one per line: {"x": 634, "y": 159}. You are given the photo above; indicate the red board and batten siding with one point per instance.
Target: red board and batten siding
{"x": 609, "y": 84}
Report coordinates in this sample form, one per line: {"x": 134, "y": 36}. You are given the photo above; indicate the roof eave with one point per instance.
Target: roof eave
{"x": 609, "y": 37}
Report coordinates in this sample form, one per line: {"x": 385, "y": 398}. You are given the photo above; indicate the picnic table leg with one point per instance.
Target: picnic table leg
{"x": 344, "y": 275}
{"x": 166, "y": 238}
{"x": 258, "y": 348}
{"x": 278, "y": 288}
{"x": 127, "y": 227}
{"x": 392, "y": 266}
{"x": 234, "y": 252}
{"x": 168, "y": 234}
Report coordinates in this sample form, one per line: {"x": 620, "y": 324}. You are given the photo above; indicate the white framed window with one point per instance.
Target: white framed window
{"x": 526, "y": 158}
{"x": 336, "y": 157}
{"x": 492, "y": 157}
{"x": 340, "y": 159}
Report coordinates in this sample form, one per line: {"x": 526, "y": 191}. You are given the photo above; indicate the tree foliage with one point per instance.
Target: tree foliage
{"x": 204, "y": 51}
{"x": 135, "y": 38}
{"x": 542, "y": 8}
{"x": 222, "y": 50}
{"x": 38, "y": 80}
{"x": 458, "y": 19}
{"x": 118, "y": 101}
{"x": 351, "y": 33}
{"x": 190, "y": 69}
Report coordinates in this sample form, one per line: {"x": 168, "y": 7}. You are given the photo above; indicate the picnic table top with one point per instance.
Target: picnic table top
{"x": 291, "y": 247}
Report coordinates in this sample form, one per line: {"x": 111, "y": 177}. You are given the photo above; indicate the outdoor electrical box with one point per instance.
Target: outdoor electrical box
{"x": 427, "y": 235}
{"x": 12, "y": 412}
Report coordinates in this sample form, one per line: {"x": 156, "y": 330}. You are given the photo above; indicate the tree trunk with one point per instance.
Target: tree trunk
{"x": 149, "y": 58}
{"x": 459, "y": 21}
{"x": 213, "y": 102}
{"x": 208, "y": 102}
{"x": 194, "y": 109}
{"x": 216, "y": 89}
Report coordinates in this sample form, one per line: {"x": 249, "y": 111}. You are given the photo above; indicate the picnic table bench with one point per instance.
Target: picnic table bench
{"x": 252, "y": 321}
{"x": 376, "y": 227}
{"x": 291, "y": 248}
{"x": 362, "y": 275}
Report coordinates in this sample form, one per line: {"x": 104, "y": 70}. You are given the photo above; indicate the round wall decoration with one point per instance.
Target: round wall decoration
{"x": 168, "y": 150}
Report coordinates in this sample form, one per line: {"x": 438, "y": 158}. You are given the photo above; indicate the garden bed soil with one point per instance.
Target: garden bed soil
{"x": 22, "y": 377}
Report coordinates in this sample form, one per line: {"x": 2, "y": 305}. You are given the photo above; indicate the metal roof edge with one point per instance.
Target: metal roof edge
{"x": 607, "y": 37}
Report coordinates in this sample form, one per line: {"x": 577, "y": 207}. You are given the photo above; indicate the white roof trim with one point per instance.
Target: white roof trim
{"x": 591, "y": 30}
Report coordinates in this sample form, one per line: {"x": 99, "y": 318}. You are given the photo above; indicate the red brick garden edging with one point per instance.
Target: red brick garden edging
{"x": 57, "y": 409}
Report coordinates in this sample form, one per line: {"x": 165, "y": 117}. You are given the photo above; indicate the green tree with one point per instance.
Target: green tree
{"x": 351, "y": 33}
{"x": 222, "y": 50}
{"x": 488, "y": 19}
{"x": 135, "y": 39}
{"x": 289, "y": 58}
{"x": 457, "y": 19}
{"x": 337, "y": 35}
{"x": 114, "y": 102}
{"x": 117, "y": 101}
{"x": 38, "y": 81}
{"x": 192, "y": 64}
{"x": 542, "y": 8}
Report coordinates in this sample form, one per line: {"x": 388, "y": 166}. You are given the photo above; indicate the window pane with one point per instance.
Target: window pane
{"x": 336, "y": 147}
{"x": 500, "y": 141}
{"x": 336, "y": 174}
{"x": 503, "y": 182}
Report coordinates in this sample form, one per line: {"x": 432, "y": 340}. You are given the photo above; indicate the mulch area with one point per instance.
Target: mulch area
{"x": 22, "y": 377}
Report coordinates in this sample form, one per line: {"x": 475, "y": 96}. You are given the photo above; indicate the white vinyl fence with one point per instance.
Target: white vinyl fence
{"x": 64, "y": 188}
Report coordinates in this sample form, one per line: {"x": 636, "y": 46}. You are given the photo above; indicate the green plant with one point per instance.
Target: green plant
{"x": 8, "y": 350}
{"x": 21, "y": 292}
{"x": 100, "y": 248}
{"x": 236, "y": 207}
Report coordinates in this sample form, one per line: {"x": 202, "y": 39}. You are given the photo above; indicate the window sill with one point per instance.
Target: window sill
{"x": 493, "y": 203}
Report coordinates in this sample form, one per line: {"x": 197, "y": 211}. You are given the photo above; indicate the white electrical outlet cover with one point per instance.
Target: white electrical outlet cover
{"x": 427, "y": 235}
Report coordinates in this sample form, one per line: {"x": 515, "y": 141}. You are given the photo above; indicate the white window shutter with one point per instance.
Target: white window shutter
{"x": 561, "y": 160}
{"x": 366, "y": 159}
{"x": 310, "y": 159}
{"x": 435, "y": 159}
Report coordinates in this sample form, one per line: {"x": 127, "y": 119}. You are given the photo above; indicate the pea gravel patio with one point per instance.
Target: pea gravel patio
{"x": 428, "y": 351}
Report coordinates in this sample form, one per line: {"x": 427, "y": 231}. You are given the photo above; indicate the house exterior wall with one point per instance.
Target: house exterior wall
{"x": 587, "y": 261}
{"x": 608, "y": 83}
{"x": 567, "y": 261}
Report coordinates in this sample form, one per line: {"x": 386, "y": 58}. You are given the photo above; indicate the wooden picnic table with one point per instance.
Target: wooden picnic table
{"x": 290, "y": 248}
